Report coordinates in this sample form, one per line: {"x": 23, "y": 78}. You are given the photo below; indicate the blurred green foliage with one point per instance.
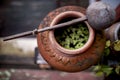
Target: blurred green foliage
{"x": 6, "y": 74}
{"x": 105, "y": 69}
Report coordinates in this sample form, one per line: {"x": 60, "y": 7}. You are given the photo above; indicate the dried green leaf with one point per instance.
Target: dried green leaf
{"x": 117, "y": 69}
{"x": 107, "y": 70}
{"x": 117, "y": 45}
{"x": 108, "y": 73}
{"x": 7, "y": 73}
{"x": 100, "y": 73}
{"x": 108, "y": 43}
{"x": 97, "y": 68}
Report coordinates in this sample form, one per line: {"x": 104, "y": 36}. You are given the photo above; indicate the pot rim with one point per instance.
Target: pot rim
{"x": 117, "y": 29}
{"x": 58, "y": 46}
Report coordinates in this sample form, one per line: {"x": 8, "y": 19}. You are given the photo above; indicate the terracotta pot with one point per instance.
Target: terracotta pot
{"x": 64, "y": 59}
{"x": 113, "y": 33}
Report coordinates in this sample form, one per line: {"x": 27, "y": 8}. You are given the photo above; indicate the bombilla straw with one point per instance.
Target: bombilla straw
{"x": 36, "y": 31}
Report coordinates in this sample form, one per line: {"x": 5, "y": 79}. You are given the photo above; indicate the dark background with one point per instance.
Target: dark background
{"x": 17, "y": 16}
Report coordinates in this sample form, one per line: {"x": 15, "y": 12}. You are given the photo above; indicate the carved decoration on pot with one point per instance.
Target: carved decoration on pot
{"x": 64, "y": 51}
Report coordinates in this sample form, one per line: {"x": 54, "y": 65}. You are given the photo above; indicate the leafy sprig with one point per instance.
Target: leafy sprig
{"x": 106, "y": 69}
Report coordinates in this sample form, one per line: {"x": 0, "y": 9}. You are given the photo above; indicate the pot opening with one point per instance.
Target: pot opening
{"x": 72, "y": 37}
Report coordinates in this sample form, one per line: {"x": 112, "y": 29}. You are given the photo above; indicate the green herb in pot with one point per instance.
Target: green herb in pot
{"x": 72, "y": 37}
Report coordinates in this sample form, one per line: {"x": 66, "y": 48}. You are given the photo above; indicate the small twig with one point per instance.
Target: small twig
{"x": 36, "y": 31}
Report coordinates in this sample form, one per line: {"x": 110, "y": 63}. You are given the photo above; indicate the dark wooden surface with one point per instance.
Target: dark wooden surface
{"x": 21, "y": 15}
{"x": 7, "y": 61}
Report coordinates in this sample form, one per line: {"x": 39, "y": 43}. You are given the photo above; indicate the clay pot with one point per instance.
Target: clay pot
{"x": 65, "y": 59}
{"x": 100, "y": 15}
{"x": 115, "y": 4}
{"x": 113, "y": 33}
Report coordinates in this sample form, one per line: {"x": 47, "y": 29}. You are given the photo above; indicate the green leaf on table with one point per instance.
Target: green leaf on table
{"x": 7, "y": 73}
{"x": 99, "y": 73}
{"x": 107, "y": 70}
{"x": 97, "y": 68}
